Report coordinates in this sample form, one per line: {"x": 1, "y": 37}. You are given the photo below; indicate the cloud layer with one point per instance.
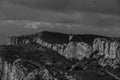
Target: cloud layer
{"x": 102, "y": 6}
{"x": 18, "y": 10}
{"x": 10, "y": 11}
{"x": 71, "y": 16}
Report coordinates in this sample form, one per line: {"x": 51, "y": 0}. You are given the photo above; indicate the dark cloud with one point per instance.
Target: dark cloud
{"x": 14, "y": 11}
{"x": 93, "y": 19}
{"x": 22, "y": 11}
{"x": 87, "y": 16}
{"x": 43, "y": 4}
{"x": 101, "y": 6}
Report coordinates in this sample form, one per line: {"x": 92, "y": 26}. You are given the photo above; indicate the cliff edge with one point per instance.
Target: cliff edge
{"x": 59, "y": 56}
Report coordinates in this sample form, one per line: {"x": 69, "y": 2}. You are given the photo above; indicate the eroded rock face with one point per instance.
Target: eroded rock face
{"x": 77, "y": 50}
{"x": 25, "y": 70}
{"x": 33, "y": 62}
{"x": 108, "y": 49}
{"x": 58, "y": 56}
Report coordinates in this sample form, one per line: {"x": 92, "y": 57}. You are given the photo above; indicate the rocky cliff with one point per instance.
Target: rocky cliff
{"x": 58, "y": 56}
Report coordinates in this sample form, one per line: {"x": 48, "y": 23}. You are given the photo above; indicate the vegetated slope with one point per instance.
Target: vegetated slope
{"x": 58, "y": 56}
{"x": 55, "y": 37}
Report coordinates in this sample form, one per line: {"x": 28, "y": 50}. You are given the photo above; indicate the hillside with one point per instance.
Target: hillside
{"x": 59, "y": 56}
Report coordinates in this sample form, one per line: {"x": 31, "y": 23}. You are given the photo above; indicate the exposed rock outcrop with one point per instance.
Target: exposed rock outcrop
{"x": 70, "y": 48}
{"x": 58, "y": 56}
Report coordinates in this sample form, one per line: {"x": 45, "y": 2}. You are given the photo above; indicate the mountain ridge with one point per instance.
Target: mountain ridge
{"x": 58, "y": 56}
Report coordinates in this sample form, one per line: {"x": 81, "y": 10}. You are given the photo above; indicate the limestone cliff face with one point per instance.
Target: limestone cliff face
{"x": 69, "y": 48}
{"x": 108, "y": 49}
{"x": 24, "y": 70}
{"x": 89, "y": 50}
{"x": 32, "y": 62}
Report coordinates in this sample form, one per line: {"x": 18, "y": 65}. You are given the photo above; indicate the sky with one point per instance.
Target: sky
{"x": 65, "y": 11}
{"x": 80, "y": 5}
{"x": 103, "y": 6}
{"x": 89, "y": 16}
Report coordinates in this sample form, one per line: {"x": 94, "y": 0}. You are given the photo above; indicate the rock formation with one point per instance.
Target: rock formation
{"x": 58, "y": 56}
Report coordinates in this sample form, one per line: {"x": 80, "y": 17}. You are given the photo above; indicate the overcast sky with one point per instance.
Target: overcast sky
{"x": 59, "y": 10}
{"x": 101, "y": 13}
{"x": 101, "y": 16}
{"x": 103, "y": 6}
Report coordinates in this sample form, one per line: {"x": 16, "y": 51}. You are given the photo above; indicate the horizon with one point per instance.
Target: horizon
{"x": 101, "y": 17}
